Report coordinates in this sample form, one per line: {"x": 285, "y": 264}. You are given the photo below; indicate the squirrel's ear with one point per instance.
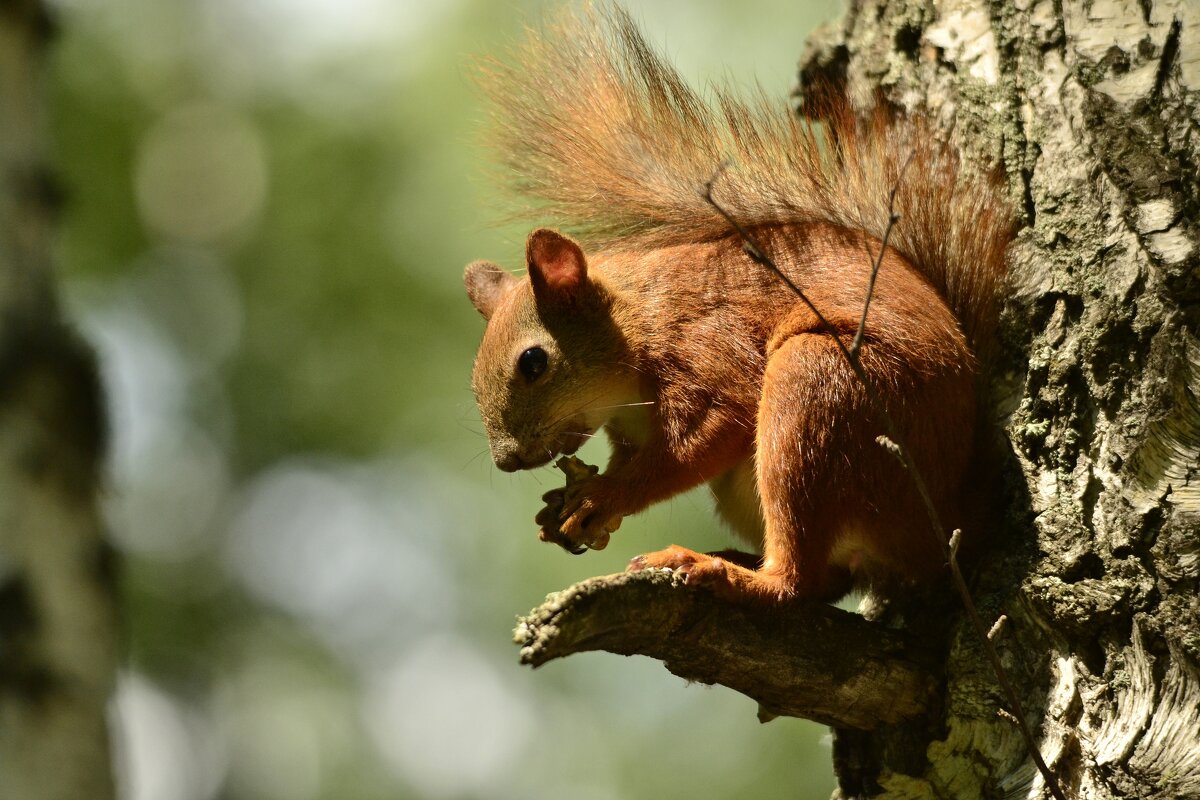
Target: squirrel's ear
{"x": 486, "y": 283}
{"x": 557, "y": 268}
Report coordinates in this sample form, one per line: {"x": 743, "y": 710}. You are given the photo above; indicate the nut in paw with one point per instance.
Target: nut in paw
{"x": 574, "y": 517}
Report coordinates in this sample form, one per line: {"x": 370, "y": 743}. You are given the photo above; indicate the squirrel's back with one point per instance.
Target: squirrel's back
{"x": 611, "y": 144}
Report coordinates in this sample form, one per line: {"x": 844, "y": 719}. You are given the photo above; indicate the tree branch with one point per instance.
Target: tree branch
{"x": 803, "y": 660}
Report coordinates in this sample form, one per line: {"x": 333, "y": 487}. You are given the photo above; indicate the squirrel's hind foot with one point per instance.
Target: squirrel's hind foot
{"x": 719, "y": 574}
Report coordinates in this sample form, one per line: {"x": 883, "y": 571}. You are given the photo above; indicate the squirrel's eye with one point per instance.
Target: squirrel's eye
{"x": 532, "y": 363}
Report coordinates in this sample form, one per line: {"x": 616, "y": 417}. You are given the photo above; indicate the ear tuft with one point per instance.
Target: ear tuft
{"x": 486, "y": 284}
{"x": 557, "y": 267}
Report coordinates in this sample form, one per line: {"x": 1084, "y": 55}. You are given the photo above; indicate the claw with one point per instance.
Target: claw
{"x": 563, "y": 542}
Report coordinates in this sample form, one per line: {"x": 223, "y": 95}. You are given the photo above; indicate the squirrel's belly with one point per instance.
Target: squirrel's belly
{"x": 738, "y": 503}
{"x": 857, "y": 550}
{"x": 851, "y": 549}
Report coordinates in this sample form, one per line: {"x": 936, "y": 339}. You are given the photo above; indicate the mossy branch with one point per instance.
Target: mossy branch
{"x": 803, "y": 660}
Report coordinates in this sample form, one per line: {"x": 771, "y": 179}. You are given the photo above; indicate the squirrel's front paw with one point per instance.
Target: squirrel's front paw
{"x": 548, "y": 520}
{"x": 580, "y": 515}
{"x": 588, "y": 519}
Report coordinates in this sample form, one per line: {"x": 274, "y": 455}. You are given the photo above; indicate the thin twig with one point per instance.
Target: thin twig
{"x": 759, "y": 256}
{"x": 894, "y": 444}
{"x": 877, "y": 260}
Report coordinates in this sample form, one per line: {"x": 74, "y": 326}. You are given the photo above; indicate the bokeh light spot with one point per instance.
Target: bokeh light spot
{"x": 201, "y": 173}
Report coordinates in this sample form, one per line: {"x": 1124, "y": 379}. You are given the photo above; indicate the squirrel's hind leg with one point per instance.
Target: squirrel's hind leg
{"x": 808, "y": 444}
{"x": 811, "y": 446}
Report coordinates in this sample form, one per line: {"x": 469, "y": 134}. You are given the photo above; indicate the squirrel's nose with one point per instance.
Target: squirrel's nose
{"x": 509, "y": 461}
{"x": 513, "y": 460}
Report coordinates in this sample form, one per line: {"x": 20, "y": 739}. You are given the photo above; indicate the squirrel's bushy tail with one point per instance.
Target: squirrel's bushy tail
{"x": 611, "y": 144}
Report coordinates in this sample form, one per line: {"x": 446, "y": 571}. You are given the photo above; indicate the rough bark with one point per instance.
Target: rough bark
{"x": 809, "y": 660}
{"x": 1092, "y": 109}
{"x": 57, "y": 629}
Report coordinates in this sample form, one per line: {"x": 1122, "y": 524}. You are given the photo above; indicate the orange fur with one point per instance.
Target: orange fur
{"x": 700, "y": 364}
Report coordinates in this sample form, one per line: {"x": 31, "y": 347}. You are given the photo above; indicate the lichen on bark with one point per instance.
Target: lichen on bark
{"x": 1097, "y": 104}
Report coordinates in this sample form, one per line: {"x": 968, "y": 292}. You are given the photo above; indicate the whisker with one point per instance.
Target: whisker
{"x": 466, "y": 425}
{"x": 571, "y": 413}
{"x": 624, "y": 405}
{"x": 587, "y": 406}
{"x": 473, "y": 459}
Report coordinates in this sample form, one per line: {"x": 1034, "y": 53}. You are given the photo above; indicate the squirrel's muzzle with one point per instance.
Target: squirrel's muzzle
{"x": 511, "y": 460}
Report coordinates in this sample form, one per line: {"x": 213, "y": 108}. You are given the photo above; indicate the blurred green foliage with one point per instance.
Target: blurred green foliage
{"x": 270, "y": 205}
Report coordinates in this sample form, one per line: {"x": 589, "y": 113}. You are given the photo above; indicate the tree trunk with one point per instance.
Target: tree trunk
{"x": 57, "y": 614}
{"x": 1092, "y": 109}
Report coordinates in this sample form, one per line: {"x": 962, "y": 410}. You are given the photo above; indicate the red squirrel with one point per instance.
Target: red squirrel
{"x": 700, "y": 364}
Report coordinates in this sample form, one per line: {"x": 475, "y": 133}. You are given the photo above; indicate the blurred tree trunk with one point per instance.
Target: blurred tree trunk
{"x": 1093, "y": 109}
{"x": 57, "y": 612}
